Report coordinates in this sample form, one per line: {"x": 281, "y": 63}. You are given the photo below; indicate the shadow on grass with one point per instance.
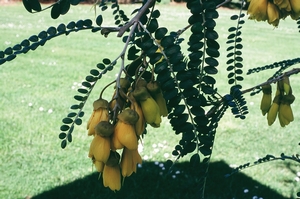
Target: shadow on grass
{"x": 151, "y": 181}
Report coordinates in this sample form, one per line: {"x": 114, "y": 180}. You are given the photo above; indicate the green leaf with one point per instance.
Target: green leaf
{"x": 197, "y": 28}
{"x": 35, "y": 5}
{"x": 210, "y": 70}
{"x": 75, "y": 2}
{"x": 67, "y": 120}
{"x": 25, "y": 43}
{"x": 71, "y": 25}
{"x": 167, "y": 41}
{"x": 79, "y": 98}
{"x": 212, "y": 52}
{"x": 55, "y": 11}
{"x": 160, "y": 66}
{"x": 174, "y": 49}
{"x": 64, "y": 6}
{"x": 8, "y": 51}
{"x": 17, "y": 47}
{"x": 63, "y": 144}
{"x": 43, "y": 35}
{"x": 69, "y": 137}
{"x": 211, "y": 61}
{"x": 186, "y": 84}
{"x": 74, "y": 107}
{"x": 94, "y": 72}
{"x": 99, "y": 20}
{"x": 155, "y": 14}
{"x": 72, "y": 114}
{"x": 106, "y": 61}
{"x": 64, "y": 127}
{"x": 86, "y": 84}
{"x": 195, "y": 160}
{"x": 78, "y": 121}
{"x": 51, "y": 31}
{"x": 62, "y": 135}
{"x": 82, "y": 90}
{"x": 79, "y": 23}
{"x": 234, "y": 17}
{"x": 27, "y": 5}
{"x": 81, "y": 114}
{"x": 100, "y": 66}
{"x": 160, "y": 33}
{"x": 152, "y": 26}
{"x": 211, "y": 34}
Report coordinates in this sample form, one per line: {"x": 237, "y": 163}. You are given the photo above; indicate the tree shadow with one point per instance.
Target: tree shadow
{"x": 153, "y": 181}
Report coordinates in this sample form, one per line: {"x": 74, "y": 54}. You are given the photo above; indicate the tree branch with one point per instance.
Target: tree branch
{"x": 136, "y": 18}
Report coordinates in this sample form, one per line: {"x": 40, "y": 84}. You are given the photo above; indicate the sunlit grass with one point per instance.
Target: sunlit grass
{"x": 37, "y": 90}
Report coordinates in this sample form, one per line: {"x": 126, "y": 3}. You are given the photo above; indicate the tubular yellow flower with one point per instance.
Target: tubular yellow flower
{"x": 100, "y": 148}
{"x": 129, "y": 161}
{"x": 273, "y": 14}
{"x": 137, "y": 159}
{"x": 100, "y": 113}
{"x": 124, "y": 135}
{"x": 141, "y": 123}
{"x": 295, "y": 5}
{"x": 258, "y": 10}
{"x": 283, "y": 4}
{"x": 126, "y": 163}
{"x": 112, "y": 177}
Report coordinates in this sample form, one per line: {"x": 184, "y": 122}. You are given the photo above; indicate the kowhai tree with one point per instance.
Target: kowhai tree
{"x": 156, "y": 79}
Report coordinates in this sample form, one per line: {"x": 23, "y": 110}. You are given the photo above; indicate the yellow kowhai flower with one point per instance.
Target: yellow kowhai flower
{"x": 258, "y": 10}
{"x": 100, "y": 113}
{"x": 129, "y": 161}
{"x": 273, "y": 14}
{"x": 112, "y": 177}
{"x": 100, "y": 148}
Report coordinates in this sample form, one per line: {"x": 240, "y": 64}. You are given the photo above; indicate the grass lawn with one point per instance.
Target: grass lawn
{"x": 37, "y": 90}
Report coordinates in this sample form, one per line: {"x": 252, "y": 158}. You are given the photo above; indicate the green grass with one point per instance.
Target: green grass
{"x": 36, "y": 93}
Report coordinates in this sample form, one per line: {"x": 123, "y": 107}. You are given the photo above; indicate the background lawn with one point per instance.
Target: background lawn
{"x": 37, "y": 90}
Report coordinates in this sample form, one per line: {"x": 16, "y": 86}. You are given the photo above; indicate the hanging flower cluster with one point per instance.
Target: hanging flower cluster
{"x": 273, "y": 10}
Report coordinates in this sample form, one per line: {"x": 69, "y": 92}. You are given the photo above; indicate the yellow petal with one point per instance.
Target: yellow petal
{"x": 258, "y": 10}
{"x": 112, "y": 177}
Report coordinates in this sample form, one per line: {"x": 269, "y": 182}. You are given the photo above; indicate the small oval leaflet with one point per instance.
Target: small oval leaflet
{"x": 100, "y": 66}
{"x": 8, "y": 51}
{"x": 62, "y": 135}
{"x": 33, "y": 38}
{"x": 79, "y": 98}
{"x": 64, "y": 6}
{"x": 63, "y": 144}
{"x": 11, "y": 57}
{"x": 106, "y": 61}
{"x": 43, "y": 35}
{"x": 71, "y": 25}
{"x": 234, "y": 17}
{"x": 51, "y": 31}
{"x": 155, "y": 14}
{"x": 69, "y": 137}
{"x": 64, "y": 127}
{"x": 99, "y": 20}
{"x": 167, "y": 41}
{"x": 72, "y": 114}
{"x": 81, "y": 114}
{"x": 25, "y": 43}
{"x": 17, "y": 47}
{"x": 79, "y": 23}
{"x": 78, "y": 121}
{"x": 87, "y": 22}
{"x": 55, "y": 11}
{"x": 67, "y": 120}
{"x": 94, "y": 72}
